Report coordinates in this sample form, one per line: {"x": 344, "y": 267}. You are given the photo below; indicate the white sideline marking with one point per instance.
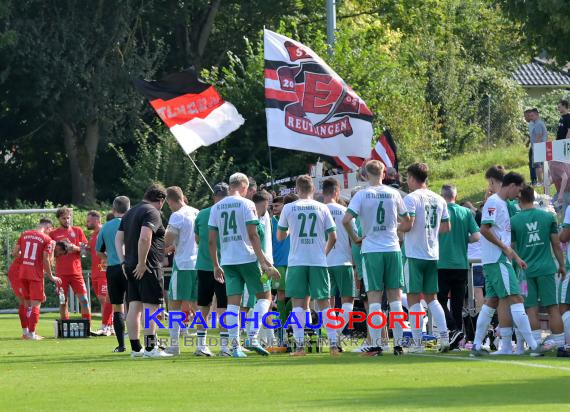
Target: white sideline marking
{"x": 531, "y": 365}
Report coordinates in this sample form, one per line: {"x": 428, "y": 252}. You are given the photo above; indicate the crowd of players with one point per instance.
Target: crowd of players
{"x": 248, "y": 244}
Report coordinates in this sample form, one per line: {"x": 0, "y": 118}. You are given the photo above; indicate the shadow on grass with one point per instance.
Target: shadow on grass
{"x": 538, "y": 391}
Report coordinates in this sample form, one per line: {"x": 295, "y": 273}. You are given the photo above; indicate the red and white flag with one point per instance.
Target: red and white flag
{"x": 385, "y": 151}
{"x": 194, "y": 111}
{"x": 308, "y": 106}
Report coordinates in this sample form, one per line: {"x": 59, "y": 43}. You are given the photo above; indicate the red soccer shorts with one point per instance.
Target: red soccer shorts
{"x": 15, "y": 283}
{"x": 75, "y": 281}
{"x": 99, "y": 286}
{"x": 33, "y": 289}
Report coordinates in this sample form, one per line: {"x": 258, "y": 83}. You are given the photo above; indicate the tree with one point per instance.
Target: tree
{"x": 545, "y": 23}
{"x": 71, "y": 67}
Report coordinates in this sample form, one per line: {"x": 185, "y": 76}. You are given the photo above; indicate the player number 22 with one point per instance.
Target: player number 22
{"x": 303, "y": 218}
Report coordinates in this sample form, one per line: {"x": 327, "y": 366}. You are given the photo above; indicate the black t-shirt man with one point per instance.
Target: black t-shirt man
{"x": 143, "y": 214}
{"x": 563, "y": 126}
{"x": 150, "y": 288}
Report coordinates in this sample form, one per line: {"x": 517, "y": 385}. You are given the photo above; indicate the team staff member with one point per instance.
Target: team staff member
{"x": 116, "y": 280}
{"x": 207, "y": 285}
{"x": 98, "y": 277}
{"x": 35, "y": 249}
{"x": 452, "y": 266}
{"x": 142, "y": 234}
{"x": 68, "y": 264}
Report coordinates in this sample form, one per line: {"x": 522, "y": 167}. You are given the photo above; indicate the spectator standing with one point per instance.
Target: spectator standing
{"x": 560, "y": 176}
{"x": 530, "y": 125}
{"x": 564, "y": 123}
{"x": 538, "y": 134}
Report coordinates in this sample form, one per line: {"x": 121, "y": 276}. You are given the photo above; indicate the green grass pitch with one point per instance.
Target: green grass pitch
{"x": 83, "y": 374}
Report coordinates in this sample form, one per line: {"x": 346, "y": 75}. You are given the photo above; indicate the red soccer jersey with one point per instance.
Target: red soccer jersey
{"x": 69, "y": 264}
{"x": 96, "y": 271}
{"x": 33, "y": 244}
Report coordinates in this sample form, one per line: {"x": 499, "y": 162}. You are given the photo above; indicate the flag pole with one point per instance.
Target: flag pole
{"x": 199, "y": 171}
{"x": 271, "y": 167}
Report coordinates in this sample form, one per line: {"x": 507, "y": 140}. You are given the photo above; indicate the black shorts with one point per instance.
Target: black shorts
{"x": 116, "y": 284}
{"x": 478, "y": 277}
{"x": 207, "y": 286}
{"x": 148, "y": 289}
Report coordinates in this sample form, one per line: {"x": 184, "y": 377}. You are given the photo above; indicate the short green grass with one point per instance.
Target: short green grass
{"x": 83, "y": 375}
{"x": 467, "y": 171}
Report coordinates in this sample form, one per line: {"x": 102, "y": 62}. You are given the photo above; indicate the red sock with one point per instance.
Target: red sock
{"x": 23, "y": 314}
{"x": 107, "y": 315}
{"x": 34, "y": 319}
{"x": 86, "y": 316}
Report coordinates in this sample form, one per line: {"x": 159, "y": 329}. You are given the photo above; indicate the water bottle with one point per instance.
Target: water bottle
{"x": 81, "y": 330}
{"x": 61, "y": 294}
{"x": 65, "y": 330}
{"x": 55, "y": 329}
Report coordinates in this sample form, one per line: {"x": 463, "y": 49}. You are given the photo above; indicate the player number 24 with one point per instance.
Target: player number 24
{"x": 229, "y": 222}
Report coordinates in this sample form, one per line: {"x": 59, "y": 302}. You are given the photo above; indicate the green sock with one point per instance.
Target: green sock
{"x": 282, "y": 311}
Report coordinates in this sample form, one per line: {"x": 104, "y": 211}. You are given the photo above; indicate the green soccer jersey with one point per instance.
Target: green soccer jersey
{"x": 530, "y": 231}
{"x": 513, "y": 207}
{"x": 204, "y": 261}
{"x": 261, "y": 233}
{"x": 453, "y": 244}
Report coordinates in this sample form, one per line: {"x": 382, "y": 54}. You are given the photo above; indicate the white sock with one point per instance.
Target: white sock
{"x": 520, "y": 340}
{"x": 537, "y": 335}
{"x": 175, "y": 334}
{"x": 558, "y": 339}
{"x": 483, "y": 322}
{"x": 260, "y": 309}
{"x": 520, "y": 320}
{"x": 25, "y": 331}
{"x": 331, "y": 333}
{"x": 506, "y": 339}
{"x": 347, "y": 307}
{"x": 202, "y": 338}
{"x": 224, "y": 340}
{"x": 438, "y": 315}
{"x": 299, "y": 332}
{"x": 398, "y": 331}
{"x": 417, "y": 329}
{"x": 233, "y": 332}
{"x": 249, "y": 323}
{"x": 566, "y": 321}
{"x": 375, "y": 333}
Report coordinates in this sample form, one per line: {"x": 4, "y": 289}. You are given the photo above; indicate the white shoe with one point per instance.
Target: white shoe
{"x": 106, "y": 331}
{"x": 173, "y": 350}
{"x": 203, "y": 352}
{"x": 139, "y": 354}
{"x": 156, "y": 353}
{"x": 416, "y": 349}
{"x": 443, "y": 346}
{"x": 503, "y": 352}
{"x": 225, "y": 353}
